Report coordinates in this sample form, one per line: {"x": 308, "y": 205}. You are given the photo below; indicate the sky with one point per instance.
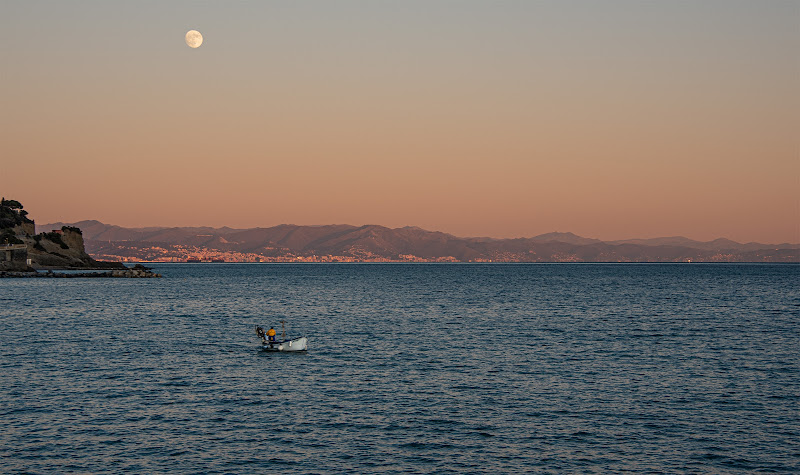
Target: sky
{"x": 611, "y": 120}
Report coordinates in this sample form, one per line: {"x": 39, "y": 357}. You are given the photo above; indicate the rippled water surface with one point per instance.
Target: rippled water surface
{"x": 411, "y": 368}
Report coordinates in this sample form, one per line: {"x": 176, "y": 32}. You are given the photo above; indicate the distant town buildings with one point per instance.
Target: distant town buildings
{"x": 183, "y": 253}
{"x": 365, "y": 250}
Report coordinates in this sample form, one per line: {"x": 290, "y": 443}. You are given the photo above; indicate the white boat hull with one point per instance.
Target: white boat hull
{"x": 295, "y": 344}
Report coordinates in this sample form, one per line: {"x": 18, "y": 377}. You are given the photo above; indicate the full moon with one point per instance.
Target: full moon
{"x": 194, "y": 39}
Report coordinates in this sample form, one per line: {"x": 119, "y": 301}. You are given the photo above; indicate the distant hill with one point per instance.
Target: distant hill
{"x": 568, "y": 238}
{"x": 717, "y": 244}
{"x": 378, "y": 243}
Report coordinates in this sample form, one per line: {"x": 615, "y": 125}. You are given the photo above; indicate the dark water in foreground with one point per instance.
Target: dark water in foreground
{"x": 411, "y": 368}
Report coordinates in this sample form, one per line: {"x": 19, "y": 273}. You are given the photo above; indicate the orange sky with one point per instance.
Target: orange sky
{"x": 504, "y": 119}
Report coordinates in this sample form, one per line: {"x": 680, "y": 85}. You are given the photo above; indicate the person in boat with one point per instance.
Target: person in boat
{"x": 271, "y": 335}
{"x": 263, "y": 335}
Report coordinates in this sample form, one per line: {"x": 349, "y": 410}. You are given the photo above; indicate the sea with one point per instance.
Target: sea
{"x": 410, "y": 368}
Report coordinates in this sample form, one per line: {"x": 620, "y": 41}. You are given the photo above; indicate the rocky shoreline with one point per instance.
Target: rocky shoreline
{"x": 137, "y": 271}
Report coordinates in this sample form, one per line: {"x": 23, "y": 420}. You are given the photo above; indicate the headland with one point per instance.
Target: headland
{"x": 24, "y": 253}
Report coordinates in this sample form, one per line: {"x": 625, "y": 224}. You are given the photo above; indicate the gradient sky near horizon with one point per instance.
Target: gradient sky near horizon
{"x": 612, "y": 120}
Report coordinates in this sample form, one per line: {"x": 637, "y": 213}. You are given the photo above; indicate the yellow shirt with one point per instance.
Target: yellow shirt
{"x": 271, "y": 332}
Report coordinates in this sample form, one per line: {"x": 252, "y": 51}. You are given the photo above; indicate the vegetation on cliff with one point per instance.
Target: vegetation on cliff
{"x": 8, "y": 236}
{"x": 12, "y": 214}
{"x": 52, "y": 236}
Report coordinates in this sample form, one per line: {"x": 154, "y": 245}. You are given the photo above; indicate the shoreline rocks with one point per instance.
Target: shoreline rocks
{"x": 138, "y": 271}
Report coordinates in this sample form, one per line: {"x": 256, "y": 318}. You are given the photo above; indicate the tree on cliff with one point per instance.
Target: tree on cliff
{"x": 7, "y": 236}
{"x": 13, "y": 204}
{"x": 12, "y": 214}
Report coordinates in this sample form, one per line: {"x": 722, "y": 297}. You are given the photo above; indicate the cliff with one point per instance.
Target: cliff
{"x": 60, "y": 248}
{"x": 14, "y": 227}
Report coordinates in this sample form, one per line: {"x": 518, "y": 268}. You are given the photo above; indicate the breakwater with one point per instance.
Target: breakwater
{"x": 138, "y": 271}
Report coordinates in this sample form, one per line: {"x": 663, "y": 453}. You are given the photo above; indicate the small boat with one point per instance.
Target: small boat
{"x": 284, "y": 344}
{"x": 295, "y": 344}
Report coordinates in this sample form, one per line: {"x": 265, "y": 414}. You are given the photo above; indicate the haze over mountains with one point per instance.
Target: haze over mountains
{"x": 378, "y": 243}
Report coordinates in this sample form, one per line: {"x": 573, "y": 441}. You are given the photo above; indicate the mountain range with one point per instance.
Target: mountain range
{"x": 378, "y": 243}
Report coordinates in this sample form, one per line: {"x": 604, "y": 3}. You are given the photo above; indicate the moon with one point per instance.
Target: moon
{"x": 194, "y": 39}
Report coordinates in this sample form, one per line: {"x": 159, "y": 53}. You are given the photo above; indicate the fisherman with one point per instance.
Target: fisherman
{"x": 271, "y": 335}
